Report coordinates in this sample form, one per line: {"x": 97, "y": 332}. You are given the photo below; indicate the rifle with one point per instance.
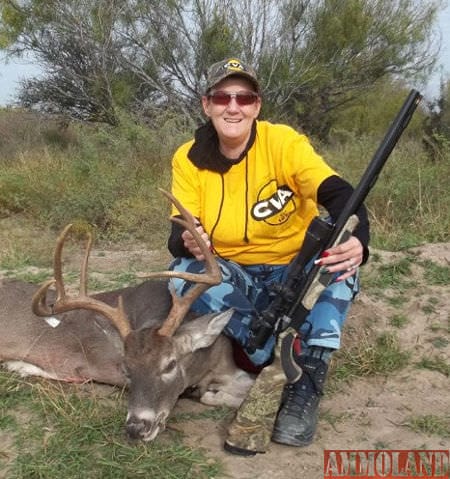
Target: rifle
{"x": 251, "y": 429}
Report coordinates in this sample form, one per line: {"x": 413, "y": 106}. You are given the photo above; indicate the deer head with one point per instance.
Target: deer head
{"x": 159, "y": 362}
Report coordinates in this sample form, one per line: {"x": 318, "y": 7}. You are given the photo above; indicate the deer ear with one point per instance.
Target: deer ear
{"x": 203, "y": 331}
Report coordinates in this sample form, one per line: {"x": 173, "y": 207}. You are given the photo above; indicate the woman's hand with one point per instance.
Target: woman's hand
{"x": 192, "y": 246}
{"x": 345, "y": 257}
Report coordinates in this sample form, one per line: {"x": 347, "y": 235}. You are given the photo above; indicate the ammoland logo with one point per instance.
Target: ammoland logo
{"x": 387, "y": 464}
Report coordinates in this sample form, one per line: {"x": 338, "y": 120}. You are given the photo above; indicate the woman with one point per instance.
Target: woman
{"x": 254, "y": 187}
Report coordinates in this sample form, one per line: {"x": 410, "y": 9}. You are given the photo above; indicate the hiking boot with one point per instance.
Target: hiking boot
{"x": 297, "y": 417}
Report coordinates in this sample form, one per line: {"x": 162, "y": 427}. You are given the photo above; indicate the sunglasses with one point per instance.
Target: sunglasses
{"x": 242, "y": 98}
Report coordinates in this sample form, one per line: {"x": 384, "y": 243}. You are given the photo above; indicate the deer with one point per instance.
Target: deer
{"x": 143, "y": 337}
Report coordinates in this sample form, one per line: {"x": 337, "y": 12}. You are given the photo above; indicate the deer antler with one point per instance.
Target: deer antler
{"x": 180, "y": 305}
{"x": 212, "y": 276}
{"x": 65, "y": 303}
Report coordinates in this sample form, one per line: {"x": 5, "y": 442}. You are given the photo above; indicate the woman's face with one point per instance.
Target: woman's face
{"x": 232, "y": 121}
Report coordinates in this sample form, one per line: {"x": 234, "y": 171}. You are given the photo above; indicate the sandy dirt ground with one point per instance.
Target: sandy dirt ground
{"x": 368, "y": 412}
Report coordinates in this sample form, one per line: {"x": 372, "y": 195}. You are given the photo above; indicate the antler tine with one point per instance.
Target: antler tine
{"x": 202, "y": 282}
{"x": 65, "y": 303}
{"x": 57, "y": 263}
{"x": 39, "y": 303}
{"x": 84, "y": 266}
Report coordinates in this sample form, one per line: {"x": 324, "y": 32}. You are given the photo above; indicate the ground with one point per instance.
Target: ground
{"x": 405, "y": 300}
{"x": 377, "y": 412}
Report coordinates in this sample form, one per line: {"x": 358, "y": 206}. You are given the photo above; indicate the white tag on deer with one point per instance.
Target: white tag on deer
{"x": 52, "y": 321}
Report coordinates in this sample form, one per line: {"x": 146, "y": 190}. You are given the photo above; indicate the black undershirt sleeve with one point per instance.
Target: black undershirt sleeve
{"x": 175, "y": 243}
{"x": 333, "y": 194}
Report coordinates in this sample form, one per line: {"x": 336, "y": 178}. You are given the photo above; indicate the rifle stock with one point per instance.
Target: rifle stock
{"x": 251, "y": 429}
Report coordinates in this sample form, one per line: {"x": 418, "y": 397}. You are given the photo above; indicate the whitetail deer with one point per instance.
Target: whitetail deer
{"x": 141, "y": 343}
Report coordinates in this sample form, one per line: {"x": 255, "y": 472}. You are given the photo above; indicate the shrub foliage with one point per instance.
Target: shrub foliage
{"x": 109, "y": 176}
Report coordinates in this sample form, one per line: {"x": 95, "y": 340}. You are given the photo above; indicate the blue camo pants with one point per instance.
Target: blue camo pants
{"x": 246, "y": 289}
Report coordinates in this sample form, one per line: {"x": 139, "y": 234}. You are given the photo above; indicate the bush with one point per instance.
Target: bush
{"x": 108, "y": 177}
{"x": 25, "y": 131}
{"x": 374, "y": 111}
{"x": 409, "y": 203}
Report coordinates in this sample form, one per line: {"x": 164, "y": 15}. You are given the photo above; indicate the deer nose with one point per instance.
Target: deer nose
{"x": 137, "y": 428}
{"x": 145, "y": 427}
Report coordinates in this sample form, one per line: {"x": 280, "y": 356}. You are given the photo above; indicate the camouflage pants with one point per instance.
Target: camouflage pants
{"x": 246, "y": 289}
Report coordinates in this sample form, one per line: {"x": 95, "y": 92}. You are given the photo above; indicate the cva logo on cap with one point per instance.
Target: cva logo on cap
{"x": 233, "y": 65}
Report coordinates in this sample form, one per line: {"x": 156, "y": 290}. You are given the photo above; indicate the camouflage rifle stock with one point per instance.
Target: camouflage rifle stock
{"x": 251, "y": 429}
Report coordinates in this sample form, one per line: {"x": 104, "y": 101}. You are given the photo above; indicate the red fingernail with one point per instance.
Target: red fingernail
{"x": 324, "y": 254}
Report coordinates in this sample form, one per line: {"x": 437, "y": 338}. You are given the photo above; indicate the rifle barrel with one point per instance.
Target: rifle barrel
{"x": 379, "y": 159}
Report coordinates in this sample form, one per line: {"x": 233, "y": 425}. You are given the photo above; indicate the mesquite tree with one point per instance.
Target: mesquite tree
{"x": 313, "y": 56}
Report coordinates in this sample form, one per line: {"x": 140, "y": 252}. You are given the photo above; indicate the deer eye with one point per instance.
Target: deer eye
{"x": 170, "y": 366}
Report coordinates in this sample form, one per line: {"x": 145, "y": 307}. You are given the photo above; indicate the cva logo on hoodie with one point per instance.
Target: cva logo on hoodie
{"x": 275, "y": 209}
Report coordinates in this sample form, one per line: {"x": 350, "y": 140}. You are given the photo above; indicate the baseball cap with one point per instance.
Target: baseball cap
{"x": 229, "y": 67}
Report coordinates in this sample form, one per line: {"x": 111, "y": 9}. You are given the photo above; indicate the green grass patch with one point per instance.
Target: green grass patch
{"x": 435, "y": 274}
{"x": 369, "y": 356}
{"x": 397, "y": 300}
{"x": 395, "y": 275}
{"x": 429, "y": 308}
{"x": 14, "y": 391}
{"x": 430, "y": 424}
{"x": 440, "y": 342}
{"x": 77, "y": 433}
{"x": 7, "y": 422}
{"x": 35, "y": 277}
{"x": 398, "y": 320}
{"x": 435, "y": 364}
